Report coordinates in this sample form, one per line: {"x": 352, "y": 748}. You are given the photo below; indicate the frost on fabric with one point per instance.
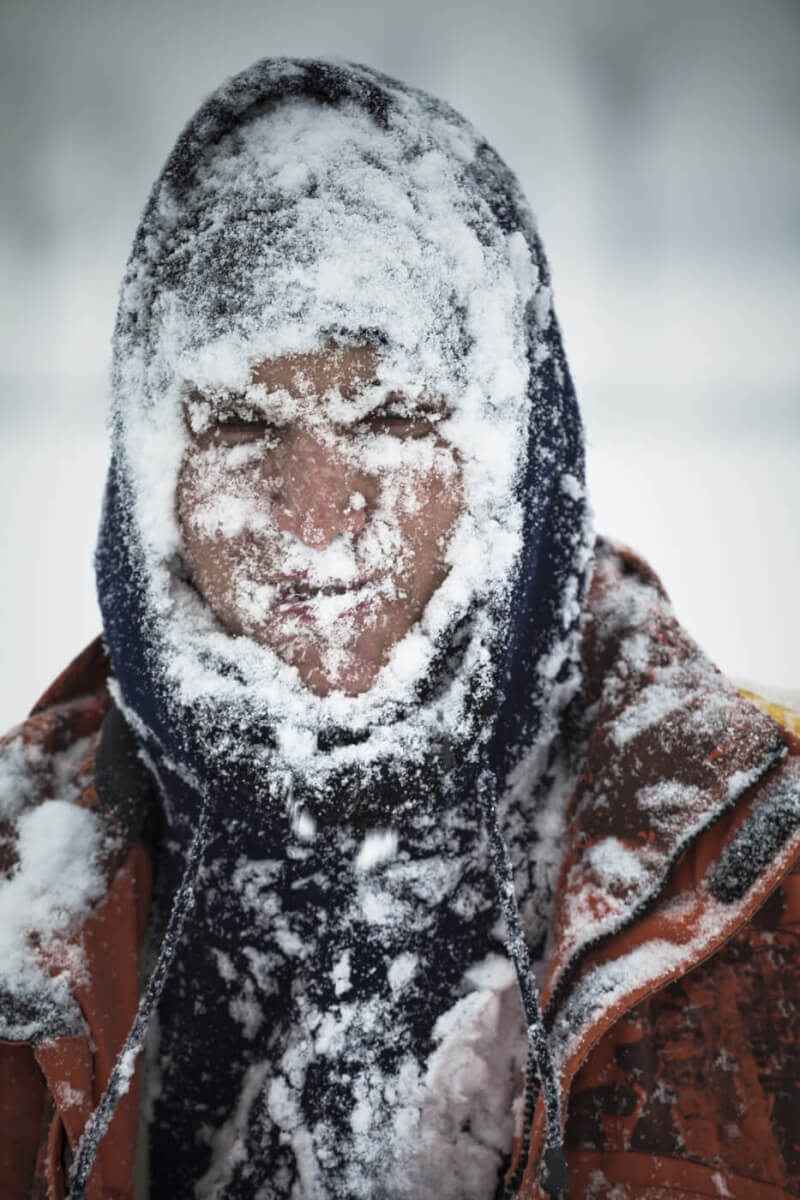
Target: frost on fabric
{"x": 673, "y": 745}
{"x": 337, "y": 1096}
{"x": 51, "y": 879}
{"x": 532, "y": 810}
{"x": 440, "y": 1128}
{"x": 311, "y": 225}
{"x": 67, "y": 1096}
{"x": 613, "y": 862}
{"x": 605, "y": 986}
{"x": 228, "y": 1145}
{"x": 533, "y": 815}
{"x": 377, "y": 847}
{"x": 763, "y": 837}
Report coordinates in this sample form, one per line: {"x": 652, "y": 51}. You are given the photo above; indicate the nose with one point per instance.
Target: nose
{"x": 316, "y": 497}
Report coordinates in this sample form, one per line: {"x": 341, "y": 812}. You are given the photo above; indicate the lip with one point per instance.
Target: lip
{"x": 295, "y": 589}
{"x": 295, "y": 596}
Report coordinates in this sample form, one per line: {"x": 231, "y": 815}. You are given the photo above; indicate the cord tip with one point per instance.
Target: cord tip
{"x": 554, "y": 1177}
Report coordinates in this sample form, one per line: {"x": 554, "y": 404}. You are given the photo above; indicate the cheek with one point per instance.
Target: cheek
{"x": 188, "y": 498}
{"x": 438, "y": 494}
{"x": 225, "y": 520}
{"x": 427, "y": 475}
{"x": 216, "y": 500}
{"x": 425, "y": 506}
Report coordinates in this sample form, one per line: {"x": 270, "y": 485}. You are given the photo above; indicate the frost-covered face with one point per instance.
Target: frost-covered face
{"x": 316, "y": 509}
{"x": 330, "y": 376}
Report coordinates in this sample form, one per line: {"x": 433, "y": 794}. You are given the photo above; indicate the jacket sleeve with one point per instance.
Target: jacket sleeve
{"x": 23, "y": 1104}
{"x": 48, "y": 1090}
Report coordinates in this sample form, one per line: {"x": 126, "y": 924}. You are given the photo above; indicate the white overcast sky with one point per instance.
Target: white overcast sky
{"x": 659, "y": 144}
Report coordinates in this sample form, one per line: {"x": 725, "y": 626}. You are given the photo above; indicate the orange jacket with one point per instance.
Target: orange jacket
{"x": 673, "y": 987}
{"x": 49, "y": 1083}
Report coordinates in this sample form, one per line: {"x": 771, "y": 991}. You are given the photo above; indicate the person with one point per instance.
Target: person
{"x": 381, "y": 743}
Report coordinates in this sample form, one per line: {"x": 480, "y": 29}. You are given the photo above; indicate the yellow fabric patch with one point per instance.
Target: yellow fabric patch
{"x": 784, "y": 716}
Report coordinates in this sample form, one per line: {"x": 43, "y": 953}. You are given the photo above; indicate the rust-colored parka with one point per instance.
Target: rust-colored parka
{"x": 672, "y": 994}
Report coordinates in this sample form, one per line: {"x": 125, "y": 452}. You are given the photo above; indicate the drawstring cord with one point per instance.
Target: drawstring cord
{"x": 554, "y": 1177}
{"x": 119, "y": 1081}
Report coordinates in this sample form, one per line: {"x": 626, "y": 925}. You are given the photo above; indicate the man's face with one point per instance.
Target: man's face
{"x": 316, "y": 514}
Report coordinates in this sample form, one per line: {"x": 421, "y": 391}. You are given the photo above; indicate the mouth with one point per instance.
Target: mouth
{"x": 297, "y": 590}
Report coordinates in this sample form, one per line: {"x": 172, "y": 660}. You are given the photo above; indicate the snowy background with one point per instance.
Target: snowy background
{"x": 659, "y": 143}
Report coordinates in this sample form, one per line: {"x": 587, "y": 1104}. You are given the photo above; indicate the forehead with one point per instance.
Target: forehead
{"x": 336, "y": 368}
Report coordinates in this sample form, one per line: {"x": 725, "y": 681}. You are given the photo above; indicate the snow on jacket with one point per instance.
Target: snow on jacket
{"x": 672, "y": 993}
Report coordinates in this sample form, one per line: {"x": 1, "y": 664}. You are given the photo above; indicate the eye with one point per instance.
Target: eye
{"x": 402, "y": 423}
{"x": 226, "y": 420}
{"x": 240, "y": 425}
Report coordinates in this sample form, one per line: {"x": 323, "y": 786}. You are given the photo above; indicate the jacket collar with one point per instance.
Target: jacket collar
{"x": 685, "y": 817}
{"x": 671, "y": 746}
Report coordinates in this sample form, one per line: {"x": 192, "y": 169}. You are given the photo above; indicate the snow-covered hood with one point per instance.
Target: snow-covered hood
{"x": 308, "y": 201}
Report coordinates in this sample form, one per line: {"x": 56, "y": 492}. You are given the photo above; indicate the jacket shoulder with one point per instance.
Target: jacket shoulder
{"x": 674, "y": 747}
{"x": 678, "y": 890}
{"x": 85, "y": 677}
{"x": 678, "y": 768}
{"x": 60, "y": 847}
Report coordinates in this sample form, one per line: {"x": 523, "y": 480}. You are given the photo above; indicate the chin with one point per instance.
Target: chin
{"x": 353, "y": 681}
{"x": 353, "y": 678}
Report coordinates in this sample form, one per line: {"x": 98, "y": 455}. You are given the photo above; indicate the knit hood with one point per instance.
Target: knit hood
{"x": 305, "y": 202}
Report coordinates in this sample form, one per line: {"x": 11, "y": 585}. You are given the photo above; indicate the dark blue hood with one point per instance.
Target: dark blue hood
{"x": 533, "y": 648}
